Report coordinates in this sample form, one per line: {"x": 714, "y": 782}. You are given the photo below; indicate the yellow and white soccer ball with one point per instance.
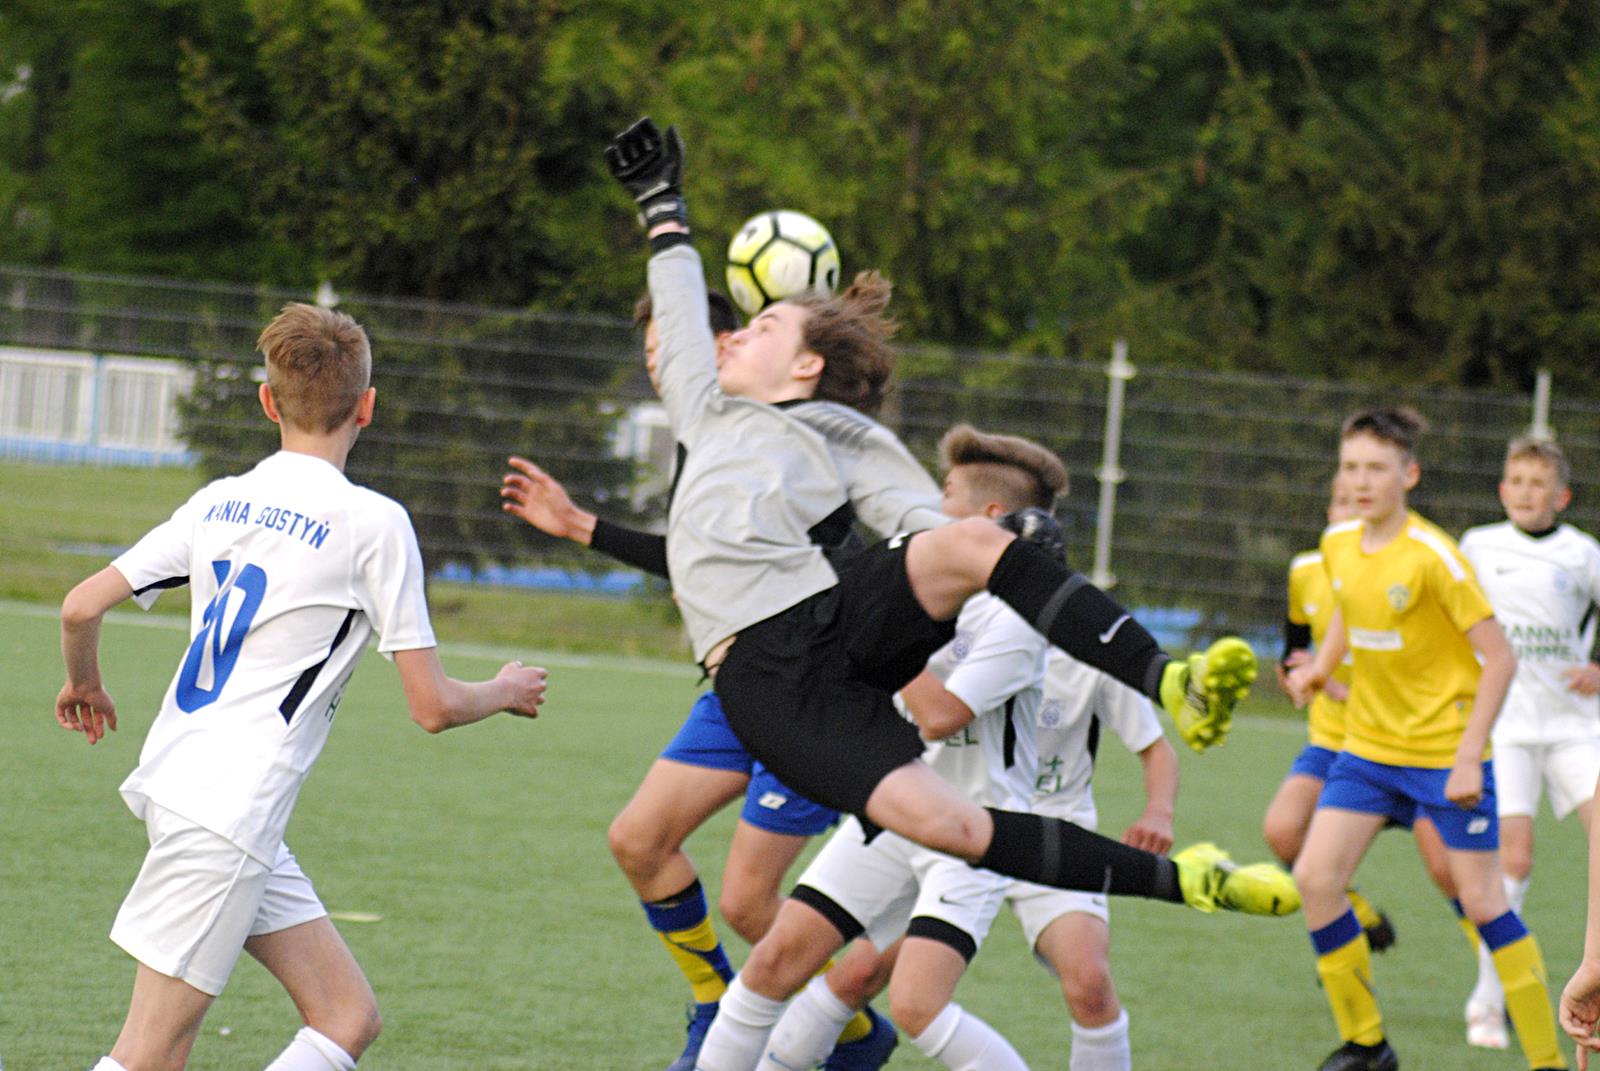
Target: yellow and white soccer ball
{"x": 778, "y": 255}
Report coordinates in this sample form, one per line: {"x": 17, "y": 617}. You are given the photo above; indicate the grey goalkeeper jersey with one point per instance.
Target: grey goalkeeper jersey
{"x": 757, "y": 478}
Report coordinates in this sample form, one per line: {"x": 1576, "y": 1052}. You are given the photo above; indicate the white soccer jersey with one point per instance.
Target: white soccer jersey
{"x": 995, "y": 665}
{"x": 1078, "y": 701}
{"x": 292, "y": 567}
{"x": 1543, "y": 591}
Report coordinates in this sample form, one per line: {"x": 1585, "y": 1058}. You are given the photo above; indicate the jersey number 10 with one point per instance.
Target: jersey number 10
{"x": 218, "y": 638}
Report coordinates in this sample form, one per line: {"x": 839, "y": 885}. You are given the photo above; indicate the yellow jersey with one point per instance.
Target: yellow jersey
{"x": 1311, "y": 604}
{"x": 1407, "y": 608}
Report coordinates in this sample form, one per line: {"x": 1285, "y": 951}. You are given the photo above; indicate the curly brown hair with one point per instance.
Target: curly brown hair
{"x": 852, "y": 333}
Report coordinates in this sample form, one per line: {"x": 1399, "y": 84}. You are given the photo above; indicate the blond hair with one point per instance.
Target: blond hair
{"x": 1013, "y": 471}
{"x": 851, "y": 332}
{"x": 1541, "y": 448}
{"x": 319, "y": 364}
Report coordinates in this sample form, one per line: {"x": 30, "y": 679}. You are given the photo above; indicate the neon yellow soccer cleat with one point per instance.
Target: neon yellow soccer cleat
{"x": 1211, "y": 881}
{"x": 1201, "y": 691}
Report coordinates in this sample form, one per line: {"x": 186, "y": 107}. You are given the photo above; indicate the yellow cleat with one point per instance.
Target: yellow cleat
{"x": 1211, "y": 881}
{"x": 1201, "y": 691}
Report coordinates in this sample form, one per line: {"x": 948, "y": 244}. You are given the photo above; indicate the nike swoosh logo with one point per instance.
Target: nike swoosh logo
{"x": 1105, "y": 637}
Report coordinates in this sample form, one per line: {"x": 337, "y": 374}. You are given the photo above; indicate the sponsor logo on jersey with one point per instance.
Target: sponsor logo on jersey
{"x": 1376, "y": 639}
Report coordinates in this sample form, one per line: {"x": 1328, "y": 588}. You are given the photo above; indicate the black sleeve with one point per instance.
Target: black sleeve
{"x": 1295, "y": 637}
{"x": 631, "y": 546}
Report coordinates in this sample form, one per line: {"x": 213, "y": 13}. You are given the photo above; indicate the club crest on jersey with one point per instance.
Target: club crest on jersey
{"x": 1399, "y": 597}
{"x": 1561, "y": 582}
{"x": 961, "y": 646}
{"x": 1050, "y": 713}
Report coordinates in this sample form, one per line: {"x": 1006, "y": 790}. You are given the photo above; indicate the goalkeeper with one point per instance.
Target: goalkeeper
{"x": 806, "y": 658}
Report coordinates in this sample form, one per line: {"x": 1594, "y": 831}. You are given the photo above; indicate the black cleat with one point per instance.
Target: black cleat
{"x": 1353, "y": 1057}
{"x": 1380, "y": 935}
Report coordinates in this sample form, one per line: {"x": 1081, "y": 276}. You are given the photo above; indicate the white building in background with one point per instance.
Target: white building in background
{"x": 77, "y": 408}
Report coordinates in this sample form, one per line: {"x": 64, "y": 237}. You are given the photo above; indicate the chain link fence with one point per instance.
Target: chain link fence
{"x": 1226, "y": 475}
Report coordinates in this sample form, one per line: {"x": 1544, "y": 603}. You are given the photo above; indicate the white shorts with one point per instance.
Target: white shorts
{"x": 1037, "y": 906}
{"x": 1568, "y": 767}
{"x": 885, "y": 884}
{"x": 198, "y": 898}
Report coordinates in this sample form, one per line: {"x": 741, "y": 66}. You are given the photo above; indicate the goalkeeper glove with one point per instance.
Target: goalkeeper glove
{"x": 649, "y": 164}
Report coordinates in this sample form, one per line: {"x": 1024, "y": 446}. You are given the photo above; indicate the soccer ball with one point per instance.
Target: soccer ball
{"x": 777, "y": 255}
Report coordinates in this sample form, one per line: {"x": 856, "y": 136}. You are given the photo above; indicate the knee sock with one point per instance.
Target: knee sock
{"x": 808, "y": 1030}
{"x": 684, "y": 925}
{"x": 964, "y": 1042}
{"x": 1078, "y": 617}
{"x": 1344, "y": 963}
{"x": 1466, "y": 925}
{"x": 1101, "y": 1048}
{"x": 1521, "y": 969}
{"x": 738, "y": 1035}
{"x": 1488, "y": 990}
{"x": 1048, "y": 851}
{"x": 311, "y": 1051}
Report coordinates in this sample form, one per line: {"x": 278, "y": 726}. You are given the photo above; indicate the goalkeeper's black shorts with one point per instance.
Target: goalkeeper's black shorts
{"x": 808, "y": 691}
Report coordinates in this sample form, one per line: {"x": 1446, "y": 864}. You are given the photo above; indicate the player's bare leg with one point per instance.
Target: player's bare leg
{"x": 921, "y": 806}
{"x": 1078, "y": 948}
{"x": 164, "y": 1018}
{"x": 949, "y": 565}
{"x": 1289, "y": 816}
{"x": 672, "y": 801}
{"x": 920, "y": 993}
{"x": 315, "y": 966}
{"x": 752, "y": 878}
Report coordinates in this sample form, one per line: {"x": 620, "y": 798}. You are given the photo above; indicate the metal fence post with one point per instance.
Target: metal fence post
{"x": 1541, "y": 405}
{"x": 1119, "y": 371}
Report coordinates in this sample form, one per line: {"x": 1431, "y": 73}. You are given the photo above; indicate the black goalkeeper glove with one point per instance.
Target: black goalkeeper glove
{"x": 1039, "y": 528}
{"x": 649, "y": 164}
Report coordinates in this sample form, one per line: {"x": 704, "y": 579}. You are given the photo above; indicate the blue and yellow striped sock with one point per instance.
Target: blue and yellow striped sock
{"x": 684, "y": 925}
{"x": 1521, "y": 969}
{"x": 1344, "y": 963}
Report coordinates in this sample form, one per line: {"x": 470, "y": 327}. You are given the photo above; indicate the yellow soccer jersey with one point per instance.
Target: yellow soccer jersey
{"x": 1311, "y": 604}
{"x": 1407, "y": 608}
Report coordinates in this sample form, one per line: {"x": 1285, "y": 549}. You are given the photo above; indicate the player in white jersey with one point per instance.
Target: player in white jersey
{"x": 292, "y": 569}
{"x": 976, "y": 701}
{"x": 1069, "y": 931}
{"x": 1543, "y": 580}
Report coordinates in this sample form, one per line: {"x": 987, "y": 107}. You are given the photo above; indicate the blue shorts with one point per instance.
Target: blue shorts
{"x": 706, "y": 740}
{"x": 1313, "y": 761}
{"x": 1355, "y": 784}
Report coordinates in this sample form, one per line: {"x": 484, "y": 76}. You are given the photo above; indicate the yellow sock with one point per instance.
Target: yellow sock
{"x": 856, "y": 1029}
{"x": 1521, "y": 971}
{"x": 1366, "y": 914}
{"x": 684, "y": 925}
{"x": 859, "y": 1025}
{"x": 1346, "y": 974}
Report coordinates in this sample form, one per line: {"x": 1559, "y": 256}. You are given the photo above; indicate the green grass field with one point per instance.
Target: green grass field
{"x": 507, "y": 939}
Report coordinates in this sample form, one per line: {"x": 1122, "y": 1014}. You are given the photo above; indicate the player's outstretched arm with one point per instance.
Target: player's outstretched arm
{"x": 83, "y": 705}
{"x": 537, "y": 497}
{"x": 439, "y": 701}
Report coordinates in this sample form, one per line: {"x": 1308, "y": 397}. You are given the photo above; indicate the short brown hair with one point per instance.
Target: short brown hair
{"x": 852, "y": 333}
{"x": 1541, "y": 448}
{"x": 1399, "y": 425}
{"x": 319, "y": 364}
{"x": 719, "y": 311}
{"x": 1016, "y": 472}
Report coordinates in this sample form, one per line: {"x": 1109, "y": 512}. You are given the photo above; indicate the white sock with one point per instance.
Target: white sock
{"x": 311, "y": 1051}
{"x": 1517, "y": 891}
{"x": 808, "y": 1030}
{"x": 739, "y": 1032}
{"x": 107, "y": 1064}
{"x": 964, "y": 1042}
{"x": 1102, "y": 1048}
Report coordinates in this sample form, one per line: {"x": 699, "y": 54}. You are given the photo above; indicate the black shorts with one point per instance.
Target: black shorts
{"x": 808, "y": 691}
